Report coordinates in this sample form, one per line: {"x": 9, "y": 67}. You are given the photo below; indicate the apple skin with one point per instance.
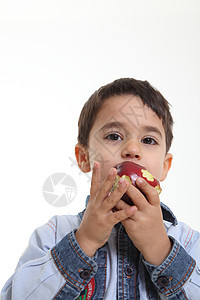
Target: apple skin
{"x": 130, "y": 171}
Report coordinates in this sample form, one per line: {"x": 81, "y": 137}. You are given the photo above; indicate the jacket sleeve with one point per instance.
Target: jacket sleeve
{"x": 51, "y": 267}
{"x": 178, "y": 277}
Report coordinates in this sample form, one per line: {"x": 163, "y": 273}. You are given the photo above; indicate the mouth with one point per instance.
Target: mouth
{"x": 131, "y": 162}
{"x": 130, "y": 171}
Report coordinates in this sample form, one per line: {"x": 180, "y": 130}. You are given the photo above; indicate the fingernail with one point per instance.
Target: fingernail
{"x": 140, "y": 180}
{"x": 122, "y": 182}
{"x": 95, "y": 165}
{"x": 133, "y": 208}
{"x": 112, "y": 171}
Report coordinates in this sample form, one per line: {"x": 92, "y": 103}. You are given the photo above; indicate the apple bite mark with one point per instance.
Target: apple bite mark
{"x": 116, "y": 184}
{"x": 158, "y": 189}
{"x": 146, "y": 174}
{"x": 131, "y": 171}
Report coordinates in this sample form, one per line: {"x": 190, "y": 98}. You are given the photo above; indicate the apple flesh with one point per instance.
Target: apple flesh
{"x": 131, "y": 171}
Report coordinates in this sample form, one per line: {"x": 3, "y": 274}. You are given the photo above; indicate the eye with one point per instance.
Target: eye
{"x": 149, "y": 141}
{"x": 113, "y": 137}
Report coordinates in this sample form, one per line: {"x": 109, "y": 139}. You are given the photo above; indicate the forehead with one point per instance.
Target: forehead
{"x": 128, "y": 109}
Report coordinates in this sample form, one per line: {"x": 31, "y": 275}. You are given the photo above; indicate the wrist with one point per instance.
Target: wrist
{"x": 89, "y": 247}
{"x": 158, "y": 252}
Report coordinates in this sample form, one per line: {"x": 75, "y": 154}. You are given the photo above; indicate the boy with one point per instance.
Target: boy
{"x": 113, "y": 250}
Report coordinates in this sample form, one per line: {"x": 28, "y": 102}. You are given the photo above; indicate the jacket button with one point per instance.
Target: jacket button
{"x": 198, "y": 269}
{"x": 129, "y": 270}
{"x": 85, "y": 274}
{"x": 163, "y": 281}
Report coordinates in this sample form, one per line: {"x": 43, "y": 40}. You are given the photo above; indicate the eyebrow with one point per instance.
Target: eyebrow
{"x": 112, "y": 124}
{"x": 152, "y": 129}
{"x": 146, "y": 128}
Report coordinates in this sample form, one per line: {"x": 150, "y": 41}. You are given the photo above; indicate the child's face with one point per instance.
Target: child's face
{"x": 125, "y": 129}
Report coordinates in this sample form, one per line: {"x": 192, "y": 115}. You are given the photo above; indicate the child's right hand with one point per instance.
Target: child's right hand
{"x": 99, "y": 217}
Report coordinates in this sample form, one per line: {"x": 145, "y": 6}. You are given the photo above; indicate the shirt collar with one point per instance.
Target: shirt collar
{"x": 168, "y": 215}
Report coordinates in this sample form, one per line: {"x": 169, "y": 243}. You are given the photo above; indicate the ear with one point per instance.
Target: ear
{"x": 82, "y": 157}
{"x": 166, "y": 165}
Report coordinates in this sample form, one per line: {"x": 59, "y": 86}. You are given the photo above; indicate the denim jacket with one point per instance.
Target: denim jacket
{"x": 55, "y": 267}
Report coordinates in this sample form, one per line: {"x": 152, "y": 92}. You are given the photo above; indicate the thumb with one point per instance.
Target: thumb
{"x": 95, "y": 181}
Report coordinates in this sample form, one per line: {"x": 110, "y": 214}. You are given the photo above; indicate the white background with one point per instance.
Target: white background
{"x": 53, "y": 55}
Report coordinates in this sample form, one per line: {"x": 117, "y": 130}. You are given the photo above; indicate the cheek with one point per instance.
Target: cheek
{"x": 105, "y": 169}
{"x": 156, "y": 170}
{"x": 100, "y": 155}
{"x": 94, "y": 154}
{"x": 155, "y": 165}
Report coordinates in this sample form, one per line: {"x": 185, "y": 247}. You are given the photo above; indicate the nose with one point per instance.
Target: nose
{"x": 131, "y": 149}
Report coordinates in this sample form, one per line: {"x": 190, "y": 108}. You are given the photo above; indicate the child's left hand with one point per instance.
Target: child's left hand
{"x": 146, "y": 228}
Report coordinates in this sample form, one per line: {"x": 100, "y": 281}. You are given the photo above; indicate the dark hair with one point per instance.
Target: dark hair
{"x": 125, "y": 86}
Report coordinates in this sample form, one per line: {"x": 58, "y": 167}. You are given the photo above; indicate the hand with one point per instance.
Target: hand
{"x": 146, "y": 228}
{"x": 99, "y": 218}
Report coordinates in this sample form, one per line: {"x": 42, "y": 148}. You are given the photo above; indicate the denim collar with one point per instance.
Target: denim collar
{"x": 166, "y": 211}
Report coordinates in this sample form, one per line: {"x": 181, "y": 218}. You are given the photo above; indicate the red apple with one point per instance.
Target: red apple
{"x": 131, "y": 171}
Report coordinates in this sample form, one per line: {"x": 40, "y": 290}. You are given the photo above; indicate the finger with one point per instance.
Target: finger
{"x": 150, "y": 192}
{"x": 115, "y": 196}
{"x": 122, "y": 215}
{"x": 137, "y": 197}
{"x": 121, "y": 205}
{"x": 106, "y": 187}
{"x": 95, "y": 181}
